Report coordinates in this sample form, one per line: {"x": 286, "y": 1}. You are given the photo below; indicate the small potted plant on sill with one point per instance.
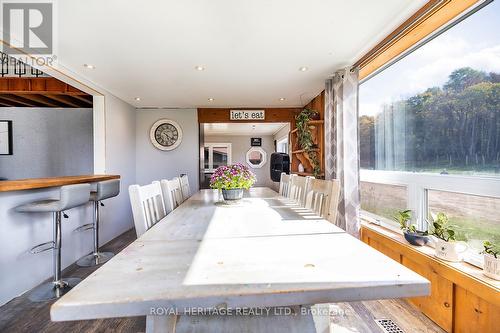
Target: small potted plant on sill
{"x": 491, "y": 260}
{"x": 447, "y": 247}
{"x": 232, "y": 180}
{"x": 410, "y": 232}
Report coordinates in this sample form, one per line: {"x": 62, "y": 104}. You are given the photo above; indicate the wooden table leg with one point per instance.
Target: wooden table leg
{"x": 161, "y": 324}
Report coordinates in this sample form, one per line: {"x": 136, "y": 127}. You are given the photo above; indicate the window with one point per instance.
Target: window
{"x": 431, "y": 123}
{"x": 216, "y": 155}
{"x": 476, "y": 218}
{"x": 282, "y": 145}
{"x": 381, "y": 202}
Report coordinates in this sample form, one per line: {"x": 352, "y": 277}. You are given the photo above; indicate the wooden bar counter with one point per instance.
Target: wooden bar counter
{"x": 36, "y": 183}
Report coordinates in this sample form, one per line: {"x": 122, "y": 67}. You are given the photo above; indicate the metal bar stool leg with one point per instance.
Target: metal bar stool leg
{"x": 96, "y": 257}
{"x": 58, "y": 287}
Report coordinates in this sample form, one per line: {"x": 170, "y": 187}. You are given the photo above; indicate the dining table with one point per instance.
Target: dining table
{"x": 261, "y": 264}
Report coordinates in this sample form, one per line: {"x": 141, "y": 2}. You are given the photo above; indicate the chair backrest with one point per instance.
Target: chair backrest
{"x": 184, "y": 187}
{"x": 298, "y": 188}
{"x": 172, "y": 194}
{"x": 147, "y": 206}
{"x": 285, "y": 185}
{"x": 334, "y": 201}
{"x": 318, "y": 196}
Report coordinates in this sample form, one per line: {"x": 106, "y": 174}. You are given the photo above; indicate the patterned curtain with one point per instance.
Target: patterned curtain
{"x": 342, "y": 146}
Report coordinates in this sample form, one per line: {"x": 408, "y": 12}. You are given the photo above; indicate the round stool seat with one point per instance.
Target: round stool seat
{"x": 105, "y": 190}
{"x": 70, "y": 196}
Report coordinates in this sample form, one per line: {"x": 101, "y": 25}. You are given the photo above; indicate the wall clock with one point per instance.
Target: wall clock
{"x": 165, "y": 134}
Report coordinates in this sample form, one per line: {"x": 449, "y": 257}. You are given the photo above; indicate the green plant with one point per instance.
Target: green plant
{"x": 403, "y": 217}
{"x": 492, "y": 249}
{"x": 442, "y": 228}
{"x": 305, "y": 138}
{"x": 232, "y": 177}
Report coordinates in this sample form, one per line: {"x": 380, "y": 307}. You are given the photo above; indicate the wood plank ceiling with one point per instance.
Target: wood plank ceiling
{"x": 41, "y": 92}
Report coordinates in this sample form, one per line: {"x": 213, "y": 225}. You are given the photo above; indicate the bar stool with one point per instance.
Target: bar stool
{"x": 70, "y": 196}
{"x": 105, "y": 190}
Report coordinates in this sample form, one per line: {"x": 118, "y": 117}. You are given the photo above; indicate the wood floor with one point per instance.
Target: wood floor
{"x": 21, "y": 315}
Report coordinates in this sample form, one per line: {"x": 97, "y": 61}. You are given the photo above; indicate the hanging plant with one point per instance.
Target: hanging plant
{"x": 305, "y": 138}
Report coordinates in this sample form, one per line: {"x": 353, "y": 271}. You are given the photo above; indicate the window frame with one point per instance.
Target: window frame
{"x": 282, "y": 142}
{"x": 418, "y": 183}
{"x": 210, "y": 146}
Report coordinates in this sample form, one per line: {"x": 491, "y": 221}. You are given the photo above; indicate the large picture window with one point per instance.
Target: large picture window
{"x": 431, "y": 123}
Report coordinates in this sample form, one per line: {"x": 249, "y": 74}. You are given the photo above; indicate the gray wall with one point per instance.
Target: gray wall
{"x": 240, "y": 144}
{"x": 120, "y": 160}
{"x": 154, "y": 164}
{"x": 48, "y": 142}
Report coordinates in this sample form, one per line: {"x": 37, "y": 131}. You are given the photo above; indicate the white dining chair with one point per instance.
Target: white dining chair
{"x": 284, "y": 189}
{"x": 334, "y": 201}
{"x": 147, "y": 206}
{"x": 172, "y": 194}
{"x": 184, "y": 182}
{"x": 298, "y": 187}
{"x": 319, "y": 195}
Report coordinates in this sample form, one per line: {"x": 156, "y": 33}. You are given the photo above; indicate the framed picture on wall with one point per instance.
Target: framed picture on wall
{"x": 256, "y": 142}
{"x": 5, "y": 137}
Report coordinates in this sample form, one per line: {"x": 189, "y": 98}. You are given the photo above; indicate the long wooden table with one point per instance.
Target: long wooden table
{"x": 263, "y": 253}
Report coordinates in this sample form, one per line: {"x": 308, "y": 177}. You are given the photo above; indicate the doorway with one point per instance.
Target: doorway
{"x": 248, "y": 143}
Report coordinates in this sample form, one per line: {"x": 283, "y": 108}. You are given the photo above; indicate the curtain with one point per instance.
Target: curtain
{"x": 342, "y": 145}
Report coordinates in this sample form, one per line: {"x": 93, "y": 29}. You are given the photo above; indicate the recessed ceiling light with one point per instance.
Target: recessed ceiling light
{"x": 282, "y": 99}
{"x": 89, "y": 66}
{"x": 199, "y": 68}
{"x": 137, "y": 98}
{"x": 303, "y": 69}
{"x": 210, "y": 99}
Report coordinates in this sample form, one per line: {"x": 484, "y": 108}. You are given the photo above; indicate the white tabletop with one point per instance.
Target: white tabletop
{"x": 264, "y": 251}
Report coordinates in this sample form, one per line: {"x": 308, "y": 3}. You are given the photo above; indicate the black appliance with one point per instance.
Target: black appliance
{"x": 280, "y": 162}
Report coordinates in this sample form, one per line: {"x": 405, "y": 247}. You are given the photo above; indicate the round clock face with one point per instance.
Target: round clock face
{"x": 166, "y": 134}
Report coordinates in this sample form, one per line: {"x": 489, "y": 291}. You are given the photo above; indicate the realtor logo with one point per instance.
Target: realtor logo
{"x": 28, "y": 28}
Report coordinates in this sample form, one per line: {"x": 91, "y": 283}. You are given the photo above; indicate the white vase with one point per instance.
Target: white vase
{"x": 451, "y": 250}
{"x": 491, "y": 266}
{"x": 300, "y": 167}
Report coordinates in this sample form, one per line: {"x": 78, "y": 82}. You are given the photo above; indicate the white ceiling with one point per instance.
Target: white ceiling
{"x": 243, "y": 128}
{"x": 251, "y": 50}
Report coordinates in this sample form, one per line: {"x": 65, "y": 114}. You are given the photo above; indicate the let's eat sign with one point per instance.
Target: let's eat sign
{"x": 247, "y": 115}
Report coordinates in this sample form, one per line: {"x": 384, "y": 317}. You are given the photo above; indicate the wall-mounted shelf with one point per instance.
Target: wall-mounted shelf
{"x": 321, "y": 175}
{"x": 300, "y": 151}
{"x": 299, "y": 155}
{"x": 312, "y": 122}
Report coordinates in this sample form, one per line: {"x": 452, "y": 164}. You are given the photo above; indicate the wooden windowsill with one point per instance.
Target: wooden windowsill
{"x": 460, "y": 273}
{"x": 36, "y": 183}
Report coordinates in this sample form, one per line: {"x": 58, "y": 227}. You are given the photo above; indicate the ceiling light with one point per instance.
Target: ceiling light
{"x": 199, "y": 68}
{"x": 303, "y": 69}
{"x": 282, "y": 99}
{"x": 137, "y": 99}
{"x": 210, "y": 99}
{"x": 89, "y": 66}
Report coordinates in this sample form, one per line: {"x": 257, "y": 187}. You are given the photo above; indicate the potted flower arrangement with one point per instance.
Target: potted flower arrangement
{"x": 410, "y": 232}
{"x": 491, "y": 260}
{"x": 447, "y": 247}
{"x": 232, "y": 180}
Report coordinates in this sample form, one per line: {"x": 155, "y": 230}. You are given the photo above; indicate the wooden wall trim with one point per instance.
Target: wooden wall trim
{"x": 430, "y": 18}
{"x": 473, "y": 279}
{"x": 273, "y": 115}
